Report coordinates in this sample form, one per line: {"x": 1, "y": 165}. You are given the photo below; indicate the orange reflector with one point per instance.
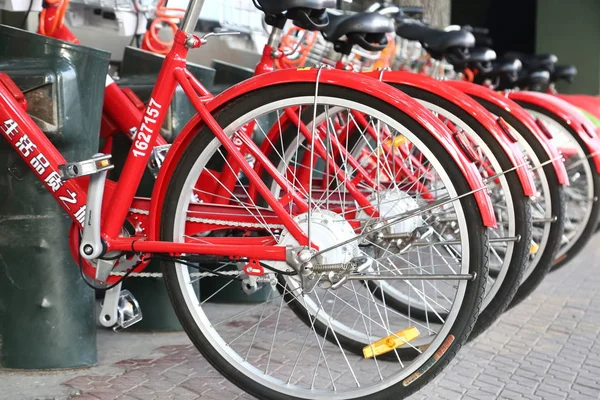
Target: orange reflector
{"x": 102, "y": 163}
{"x": 390, "y": 342}
{"x": 534, "y": 247}
{"x": 394, "y": 143}
{"x": 508, "y": 130}
{"x": 399, "y": 140}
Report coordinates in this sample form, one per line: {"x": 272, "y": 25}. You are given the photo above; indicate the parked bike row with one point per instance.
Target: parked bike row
{"x": 371, "y": 182}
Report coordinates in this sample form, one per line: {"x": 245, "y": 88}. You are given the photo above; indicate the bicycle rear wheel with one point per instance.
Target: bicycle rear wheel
{"x": 581, "y": 206}
{"x": 260, "y": 347}
{"x": 509, "y": 250}
{"x": 548, "y": 207}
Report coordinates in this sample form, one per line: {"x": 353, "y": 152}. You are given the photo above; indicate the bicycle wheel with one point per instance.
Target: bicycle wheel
{"x": 513, "y": 213}
{"x": 581, "y": 205}
{"x": 260, "y": 347}
{"x": 548, "y": 207}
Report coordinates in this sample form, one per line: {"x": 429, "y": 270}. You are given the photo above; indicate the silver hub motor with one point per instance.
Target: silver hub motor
{"x": 327, "y": 229}
{"x": 391, "y": 204}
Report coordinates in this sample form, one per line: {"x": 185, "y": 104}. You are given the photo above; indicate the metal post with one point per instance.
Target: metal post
{"x": 191, "y": 15}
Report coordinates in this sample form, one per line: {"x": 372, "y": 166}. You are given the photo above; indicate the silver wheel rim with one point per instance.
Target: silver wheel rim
{"x": 205, "y": 325}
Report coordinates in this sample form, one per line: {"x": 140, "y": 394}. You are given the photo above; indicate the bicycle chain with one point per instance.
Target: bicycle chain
{"x": 218, "y": 221}
{"x": 203, "y": 221}
{"x": 159, "y": 275}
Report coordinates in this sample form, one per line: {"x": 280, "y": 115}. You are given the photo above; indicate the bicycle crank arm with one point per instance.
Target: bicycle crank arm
{"x": 91, "y": 243}
{"x": 415, "y": 277}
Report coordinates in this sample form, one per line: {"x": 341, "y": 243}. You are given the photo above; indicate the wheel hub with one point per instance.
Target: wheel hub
{"x": 391, "y": 204}
{"x": 327, "y": 229}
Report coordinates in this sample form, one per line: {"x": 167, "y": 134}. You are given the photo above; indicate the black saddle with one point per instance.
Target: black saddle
{"x": 367, "y": 30}
{"x": 482, "y": 38}
{"x": 564, "y": 72}
{"x": 307, "y": 14}
{"x": 481, "y": 55}
{"x": 503, "y": 73}
{"x": 536, "y": 80}
{"x": 534, "y": 62}
{"x": 437, "y": 42}
{"x": 479, "y": 58}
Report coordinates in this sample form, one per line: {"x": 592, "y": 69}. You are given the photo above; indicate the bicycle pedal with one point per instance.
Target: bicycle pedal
{"x": 128, "y": 311}
{"x": 98, "y": 163}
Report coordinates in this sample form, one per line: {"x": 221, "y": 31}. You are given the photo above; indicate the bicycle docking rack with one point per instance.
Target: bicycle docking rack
{"x": 62, "y": 85}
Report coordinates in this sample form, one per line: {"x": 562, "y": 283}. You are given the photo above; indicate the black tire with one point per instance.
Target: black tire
{"x": 590, "y": 226}
{"x": 477, "y": 234}
{"x": 522, "y": 210}
{"x": 557, "y": 200}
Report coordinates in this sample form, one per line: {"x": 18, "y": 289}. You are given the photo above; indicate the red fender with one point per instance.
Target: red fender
{"x": 499, "y": 100}
{"x": 569, "y": 114}
{"x": 472, "y": 107}
{"x": 334, "y": 77}
{"x": 588, "y": 103}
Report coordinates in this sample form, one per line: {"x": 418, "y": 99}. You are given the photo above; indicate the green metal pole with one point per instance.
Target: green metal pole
{"x": 47, "y": 317}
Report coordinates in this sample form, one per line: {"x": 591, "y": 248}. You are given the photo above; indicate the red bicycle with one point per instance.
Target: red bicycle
{"x": 497, "y": 151}
{"x": 305, "y": 245}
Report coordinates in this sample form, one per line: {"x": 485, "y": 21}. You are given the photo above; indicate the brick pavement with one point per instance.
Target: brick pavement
{"x": 546, "y": 348}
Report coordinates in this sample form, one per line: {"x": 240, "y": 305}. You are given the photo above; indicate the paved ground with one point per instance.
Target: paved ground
{"x": 547, "y": 348}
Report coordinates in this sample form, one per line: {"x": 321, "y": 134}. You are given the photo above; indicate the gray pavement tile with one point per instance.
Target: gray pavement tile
{"x": 508, "y": 394}
{"x": 547, "y": 348}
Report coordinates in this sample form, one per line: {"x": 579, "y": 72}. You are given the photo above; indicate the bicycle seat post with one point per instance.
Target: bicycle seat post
{"x": 192, "y": 14}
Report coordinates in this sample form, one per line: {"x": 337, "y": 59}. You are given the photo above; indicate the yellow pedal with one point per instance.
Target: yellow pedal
{"x": 534, "y": 248}
{"x": 394, "y": 143}
{"x": 397, "y": 141}
{"x": 390, "y": 342}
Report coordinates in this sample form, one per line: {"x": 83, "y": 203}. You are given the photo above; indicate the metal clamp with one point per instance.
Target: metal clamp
{"x": 157, "y": 157}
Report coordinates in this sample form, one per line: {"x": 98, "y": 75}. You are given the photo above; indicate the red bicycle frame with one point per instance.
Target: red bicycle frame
{"x": 120, "y": 114}
{"x": 42, "y": 157}
{"x": 40, "y": 154}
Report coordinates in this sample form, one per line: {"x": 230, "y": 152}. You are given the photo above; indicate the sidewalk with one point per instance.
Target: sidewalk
{"x": 546, "y": 348}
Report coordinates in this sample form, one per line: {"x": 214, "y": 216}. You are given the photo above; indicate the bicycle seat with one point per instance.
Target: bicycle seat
{"x": 281, "y": 6}
{"x": 479, "y": 58}
{"x": 482, "y": 55}
{"x": 437, "y": 42}
{"x": 482, "y": 38}
{"x": 534, "y": 62}
{"x": 564, "y": 72}
{"x": 505, "y": 73}
{"x": 367, "y": 30}
{"x": 506, "y": 68}
{"x": 536, "y": 80}
{"x": 307, "y": 14}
